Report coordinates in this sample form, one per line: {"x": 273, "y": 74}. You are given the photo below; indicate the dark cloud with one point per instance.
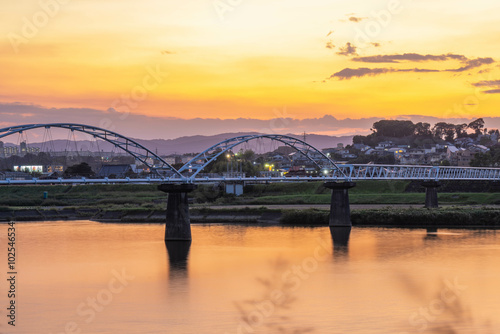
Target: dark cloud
{"x": 472, "y": 63}
{"x": 356, "y": 19}
{"x": 468, "y": 64}
{"x": 329, "y": 33}
{"x": 329, "y": 45}
{"x": 414, "y": 57}
{"x": 487, "y": 83}
{"x": 375, "y": 44}
{"x": 417, "y": 70}
{"x": 495, "y": 84}
{"x": 348, "y": 73}
{"x": 347, "y": 50}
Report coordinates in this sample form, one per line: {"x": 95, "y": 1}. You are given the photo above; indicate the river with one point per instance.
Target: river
{"x": 89, "y": 277}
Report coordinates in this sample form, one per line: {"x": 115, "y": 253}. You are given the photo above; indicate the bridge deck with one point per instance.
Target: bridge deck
{"x": 351, "y": 172}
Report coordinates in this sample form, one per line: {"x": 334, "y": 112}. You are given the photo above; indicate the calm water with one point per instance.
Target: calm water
{"x": 87, "y": 277}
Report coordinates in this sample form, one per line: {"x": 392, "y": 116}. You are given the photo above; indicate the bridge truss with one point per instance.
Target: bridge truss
{"x": 333, "y": 171}
{"x": 202, "y": 160}
{"x": 352, "y": 172}
{"x": 411, "y": 172}
{"x": 128, "y": 145}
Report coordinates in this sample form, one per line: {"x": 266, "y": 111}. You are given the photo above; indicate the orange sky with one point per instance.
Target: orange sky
{"x": 214, "y": 59}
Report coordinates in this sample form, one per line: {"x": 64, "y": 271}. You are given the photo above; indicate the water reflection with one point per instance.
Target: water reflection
{"x": 340, "y": 237}
{"x": 178, "y": 254}
{"x": 356, "y": 290}
{"x": 432, "y": 233}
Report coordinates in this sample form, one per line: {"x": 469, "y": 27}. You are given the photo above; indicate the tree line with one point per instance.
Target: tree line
{"x": 440, "y": 131}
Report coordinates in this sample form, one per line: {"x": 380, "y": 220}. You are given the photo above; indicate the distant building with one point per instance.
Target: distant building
{"x": 459, "y": 156}
{"x": 10, "y": 151}
{"x": 29, "y": 168}
{"x": 15, "y": 176}
{"x": 54, "y": 169}
{"x": 385, "y": 144}
{"x": 117, "y": 171}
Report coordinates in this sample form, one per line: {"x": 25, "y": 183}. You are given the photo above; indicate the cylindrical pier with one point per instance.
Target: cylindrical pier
{"x": 340, "y": 210}
{"x": 178, "y": 223}
{"x": 431, "y": 197}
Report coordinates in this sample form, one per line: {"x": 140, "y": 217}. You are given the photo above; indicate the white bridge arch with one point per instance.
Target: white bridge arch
{"x": 203, "y": 159}
{"x": 126, "y": 144}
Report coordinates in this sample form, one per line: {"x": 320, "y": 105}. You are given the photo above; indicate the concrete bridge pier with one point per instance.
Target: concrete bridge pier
{"x": 178, "y": 226}
{"x": 431, "y": 197}
{"x": 340, "y": 210}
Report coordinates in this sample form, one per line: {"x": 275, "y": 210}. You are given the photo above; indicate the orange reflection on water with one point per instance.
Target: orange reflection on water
{"x": 109, "y": 278}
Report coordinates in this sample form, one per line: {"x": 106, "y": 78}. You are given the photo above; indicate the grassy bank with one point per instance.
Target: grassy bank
{"x": 81, "y": 196}
{"x": 148, "y": 197}
{"x": 444, "y": 217}
{"x": 386, "y": 199}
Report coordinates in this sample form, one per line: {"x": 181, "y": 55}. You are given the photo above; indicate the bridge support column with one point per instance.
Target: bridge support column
{"x": 431, "y": 197}
{"x": 340, "y": 210}
{"x": 178, "y": 223}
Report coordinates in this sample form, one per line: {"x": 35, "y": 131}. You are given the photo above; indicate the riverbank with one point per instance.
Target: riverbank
{"x": 147, "y": 196}
{"x": 373, "y": 203}
{"x": 382, "y": 216}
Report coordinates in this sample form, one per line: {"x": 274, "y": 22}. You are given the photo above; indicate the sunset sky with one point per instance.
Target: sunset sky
{"x": 254, "y": 59}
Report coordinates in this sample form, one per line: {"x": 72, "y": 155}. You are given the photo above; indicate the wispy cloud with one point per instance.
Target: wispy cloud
{"x": 487, "y": 83}
{"x": 356, "y": 19}
{"x": 473, "y": 63}
{"x": 468, "y": 64}
{"x": 329, "y": 45}
{"x": 492, "y": 91}
{"x": 348, "y": 73}
{"x": 412, "y": 57}
{"x": 348, "y": 50}
{"x": 495, "y": 84}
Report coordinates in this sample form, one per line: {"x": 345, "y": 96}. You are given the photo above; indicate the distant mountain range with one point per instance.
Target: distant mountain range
{"x": 184, "y": 145}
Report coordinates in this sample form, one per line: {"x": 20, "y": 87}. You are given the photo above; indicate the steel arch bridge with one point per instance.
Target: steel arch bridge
{"x": 341, "y": 172}
{"x": 118, "y": 140}
{"x": 202, "y": 160}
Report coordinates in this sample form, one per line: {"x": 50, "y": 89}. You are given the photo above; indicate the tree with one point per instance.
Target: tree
{"x": 444, "y": 130}
{"x": 358, "y": 139}
{"x": 460, "y": 130}
{"x": 82, "y": 169}
{"x": 394, "y": 128}
{"x": 476, "y": 126}
{"x": 423, "y": 129}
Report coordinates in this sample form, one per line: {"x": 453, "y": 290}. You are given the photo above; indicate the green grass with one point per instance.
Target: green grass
{"x": 131, "y": 195}
{"x": 383, "y": 198}
{"x": 82, "y": 195}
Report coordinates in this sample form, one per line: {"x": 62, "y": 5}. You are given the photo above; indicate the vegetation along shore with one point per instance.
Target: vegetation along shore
{"x": 462, "y": 204}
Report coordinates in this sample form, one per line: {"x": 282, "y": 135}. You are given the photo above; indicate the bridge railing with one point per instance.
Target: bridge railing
{"x": 412, "y": 172}
{"x": 350, "y": 173}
